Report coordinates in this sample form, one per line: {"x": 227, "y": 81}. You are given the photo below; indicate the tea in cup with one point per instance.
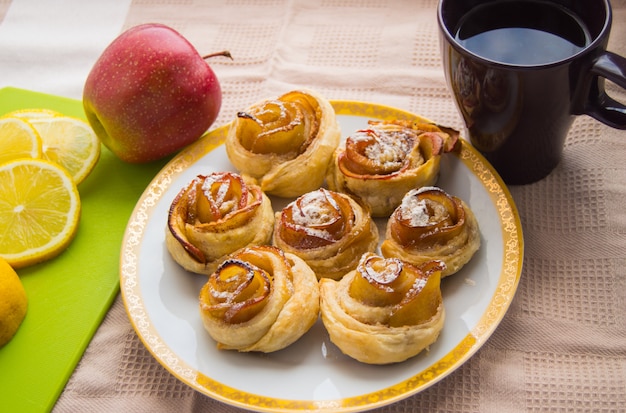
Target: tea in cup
{"x": 521, "y": 70}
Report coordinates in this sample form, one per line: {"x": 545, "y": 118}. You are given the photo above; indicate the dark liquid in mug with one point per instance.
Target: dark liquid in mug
{"x": 522, "y": 33}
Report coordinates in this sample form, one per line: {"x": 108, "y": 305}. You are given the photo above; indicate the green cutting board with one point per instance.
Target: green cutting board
{"x": 69, "y": 295}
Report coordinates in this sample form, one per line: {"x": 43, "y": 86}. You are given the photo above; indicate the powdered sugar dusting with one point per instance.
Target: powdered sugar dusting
{"x": 383, "y": 275}
{"x": 310, "y": 209}
{"x": 313, "y": 211}
{"x": 384, "y": 147}
{"x": 414, "y": 211}
{"x": 417, "y": 212}
{"x": 418, "y": 285}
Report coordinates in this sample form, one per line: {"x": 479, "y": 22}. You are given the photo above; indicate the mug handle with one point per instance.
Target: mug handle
{"x": 606, "y": 109}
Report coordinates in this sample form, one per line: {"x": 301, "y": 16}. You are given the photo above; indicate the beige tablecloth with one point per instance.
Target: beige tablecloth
{"x": 562, "y": 344}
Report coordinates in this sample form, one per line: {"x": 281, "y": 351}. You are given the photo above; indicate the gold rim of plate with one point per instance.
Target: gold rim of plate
{"x": 505, "y": 289}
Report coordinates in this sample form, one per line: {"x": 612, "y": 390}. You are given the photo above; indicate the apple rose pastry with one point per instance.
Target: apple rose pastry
{"x": 328, "y": 230}
{"x": 432, "y": 225}
{"x": 383, "y": 162}
{"x": 285, "y": 144}
{"x": 216, "y": 215}
{"x": 259, "y": 299}
{"x": 385, "y": 311}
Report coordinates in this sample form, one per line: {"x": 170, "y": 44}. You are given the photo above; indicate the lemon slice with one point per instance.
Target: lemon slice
{"x": 13, "y": 302}
{"x": 39, "y": 211}
{"x": 36, "y": 113}
{"x": 18, "y": 139}
{"x": 69, "y": 142}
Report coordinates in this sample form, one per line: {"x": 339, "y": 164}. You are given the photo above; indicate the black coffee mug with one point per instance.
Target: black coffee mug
{"x": 521, "y": 70}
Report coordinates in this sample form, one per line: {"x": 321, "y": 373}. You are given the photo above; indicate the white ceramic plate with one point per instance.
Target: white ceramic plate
{"x": 312, "y": 374}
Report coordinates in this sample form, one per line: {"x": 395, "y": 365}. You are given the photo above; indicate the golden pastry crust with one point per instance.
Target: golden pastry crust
{"x": 328, "y": 230}
{"x": 385, "y": 311}
{"x": 260, "y": 299}
{"x": 383, "y": 162}
{"x": 432, "y": 225}
{"x": 285, "y": 144}
{"x": 214, "y": 216}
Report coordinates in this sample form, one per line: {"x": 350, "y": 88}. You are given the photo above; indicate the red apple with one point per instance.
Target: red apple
{"x": 150, "y": 94}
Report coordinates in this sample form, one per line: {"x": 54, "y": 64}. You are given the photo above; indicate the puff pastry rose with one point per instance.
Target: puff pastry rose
{"x": 383, "y": 162}
{"x": 216, "y": 215}
{"x": 285, "y": 144}
{"x": 432, "y": 225}
{"x": 385, "y": 311}
{"x": 259, "y": 299}
{"x": 328, "y": 230}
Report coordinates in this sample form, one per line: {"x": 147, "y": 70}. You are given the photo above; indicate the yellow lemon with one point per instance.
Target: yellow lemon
{"x": 39, "y": 211}
{"x": 69, "y": 142}
{"x": 18, "y": 139}
{"x": 35, "y": 113}
{"x": 13, "y": 302}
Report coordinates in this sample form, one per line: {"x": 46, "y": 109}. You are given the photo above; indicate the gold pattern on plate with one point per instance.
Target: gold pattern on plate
{"x": 140, "y": 319}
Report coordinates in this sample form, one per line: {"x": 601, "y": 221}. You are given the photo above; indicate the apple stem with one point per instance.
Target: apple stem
{"x": 224, "y": 53}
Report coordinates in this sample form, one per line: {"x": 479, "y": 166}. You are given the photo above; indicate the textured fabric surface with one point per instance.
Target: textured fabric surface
{"x": 562, "y": 344}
